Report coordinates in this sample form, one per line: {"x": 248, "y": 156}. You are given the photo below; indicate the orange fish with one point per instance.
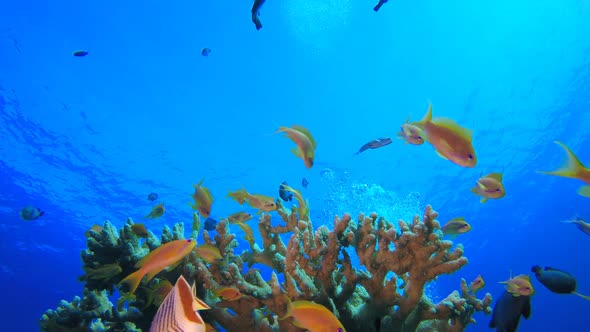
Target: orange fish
{"x": 239, "y": 217}
{"x": 489, "y": 187}
{"x": 157, "y": 211}
{"x": 203, "y": 199}
{"x": 209, "y": 253}
{"x": 519, "y": 285}
{"x": 228, "y": 293}
{"x": 257, "y": 201}
{"x": 574, "y": 169}
{"x": 248, "y": 231}
{"x": 177, "y": 312}
{"x": 450, "y": 140}
{"x": 161, "y": 290}
{"x": 139, "y": 230}
{"x": 313, "y": 317}
{"x": 411, "y": 133}
{"x": 303, "y": 209}
{"x": 96, "y": 228}
{"x": 306, "y": 144}
{"x": 209, "y": 328}
{"x": 157, "y": 260}
{"x": 477, "y": 284}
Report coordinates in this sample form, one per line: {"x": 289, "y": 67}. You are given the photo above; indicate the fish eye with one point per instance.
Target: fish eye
{"x": 189, "y": 240}
{"x": 470, "y": 156}
{"x": 340, "y": 330}
{"x": 497, "y": 189}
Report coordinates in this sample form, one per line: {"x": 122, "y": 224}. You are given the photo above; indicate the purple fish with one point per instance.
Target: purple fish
{"x": 374, "y": 144}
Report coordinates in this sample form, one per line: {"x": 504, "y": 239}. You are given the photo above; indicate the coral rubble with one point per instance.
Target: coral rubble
{"x": 387, "y": 285}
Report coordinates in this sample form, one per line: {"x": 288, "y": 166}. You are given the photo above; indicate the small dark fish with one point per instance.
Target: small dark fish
{"x": 256, "y": 12}
{"x": 374, "y": 144}
{"x": 304, "y": 183}
{"x": 507, "y": 312}
{"x": 30, "y": 213}
{"x": 80, "y": 53}
{"x": 285, "y": 195}
{"x": 381, "y": 2}
{"x": 377, "y": 324}
{"x": 210, "y": 224}
{"x": 557, "y": 281}
{"x": 152, "y": 197}
{"x": 205, "y": 51}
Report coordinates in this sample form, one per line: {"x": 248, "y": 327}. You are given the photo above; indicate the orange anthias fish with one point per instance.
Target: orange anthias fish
{"x": 157, "y": 260}
{"x": 95, "y": 227}
{"x": 303, "y": 209}
{"x": 574, "y": 169}
{"x": 313, "y": 317}
{"x": 209, "y": 253}
{"x": 306, "y": 144}
{"x": 239, "y": 217}
{"x": 411, "y": 133}
{"x": 489, "y": 187}
{"x": 257, "y": 201}
{"x": 203, "y": 199}
{"x": 248, "y": 231}
{"x": 178, "y": 312}
{"x": 157, "y": 211}
{"x": 450, "y": 140}
{"x": 228, "y": 293}
{"x": 519, "y": 285}
{"x": 477, "y": 284}
{"x": 456, "y": 226}
{"x": 139, "y": 230}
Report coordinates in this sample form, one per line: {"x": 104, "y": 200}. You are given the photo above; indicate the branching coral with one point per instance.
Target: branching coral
{"x": 388, "y": 284}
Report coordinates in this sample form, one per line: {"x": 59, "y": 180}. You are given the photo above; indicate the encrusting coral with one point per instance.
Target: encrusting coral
{"x": 395, "y": 266}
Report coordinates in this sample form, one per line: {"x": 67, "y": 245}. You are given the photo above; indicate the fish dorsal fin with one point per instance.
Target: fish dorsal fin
{"x": 305, "y": 132}
{"x": 496, "y": 176}
{"x": 457, "y": 219}
{"x": 452, "y": 125}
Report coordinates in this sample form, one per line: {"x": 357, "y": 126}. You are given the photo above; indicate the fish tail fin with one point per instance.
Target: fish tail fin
{"x": 572, "y": 166}
{"x": 289, "y": 309}
{"x": 473, "y": 190}
{"x": 585, "y": 297}
{"x": 133, "y": 280}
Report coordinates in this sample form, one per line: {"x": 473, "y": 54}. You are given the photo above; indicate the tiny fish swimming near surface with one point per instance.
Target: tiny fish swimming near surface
{"x": 152, "y": 197}
{"x": 80, "y": 53}
{"x": 580, "y": 223}
{"x": 574, "y": 169}
{"x": 256, "y": 12}
{"x": 381, "y": 2}
{"x": 305, "y": 142}
{"x": 30, "y": 213}
{"x": 557, "y": 281}
{"x": 304, "y": 183}
{"x": 205, "y": 51}
{"x": 507, "y": 312}
{"x": 489, "y": 187}
{"x": 374, "y": 144}
{"x": 456, "y": 226}
{"x": 157, "y": 211}
{"x": 285, "y": 195}
{"x": 210, "y": 224}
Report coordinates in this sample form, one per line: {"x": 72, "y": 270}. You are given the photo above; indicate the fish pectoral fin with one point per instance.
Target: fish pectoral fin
{"x": 483, "y": 200}
{"x": 585, "y": 297}
{"x": 584, "y": 191}
{"x": 297, "y": 152}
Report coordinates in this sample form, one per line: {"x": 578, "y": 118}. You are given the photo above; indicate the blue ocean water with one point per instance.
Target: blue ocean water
{"x": 87, "y": 138}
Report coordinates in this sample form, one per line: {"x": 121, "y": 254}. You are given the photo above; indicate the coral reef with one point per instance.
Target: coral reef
{"x": 387, "y": 284}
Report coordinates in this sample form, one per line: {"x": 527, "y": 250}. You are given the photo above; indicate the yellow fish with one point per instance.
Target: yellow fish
{"x": 489, "y": 187}
{"x": 306, "y": 144}
{"x": 203, "y": 199}
{"x": 519, "y": 285}
{"x": 450, "y": 140}
{"x": 177, "y": 312}
{"x": 96, "y": 228}
{"x": 209, "y": 253}
{"x": 239, "y": 217}
{"x": 228, "y": 293}
{"x": 456, "y": 226}
{"x": 411, "y": 133}
{"x": 157, "y": 260}
{"x": 248, "y": 231}
{"x": 313, "y": 317}
{"x": 257, "y": 201}
{"x": 303, "y": 209}
{"x": 157, "y": 211}
{"x": 574, "y": 169}
{"x": 477, "y": 284}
